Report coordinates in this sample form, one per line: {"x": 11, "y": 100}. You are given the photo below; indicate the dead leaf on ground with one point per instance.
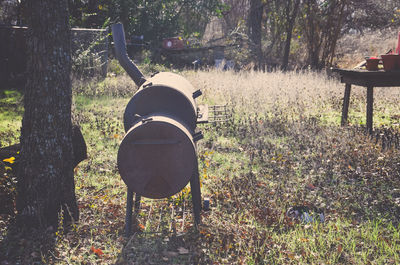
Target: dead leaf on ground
{"x": 339, "y": 248}
{"x": 183, "y": 251}
{"x": 170, "y": 254}
{"x": 97, "y": 251}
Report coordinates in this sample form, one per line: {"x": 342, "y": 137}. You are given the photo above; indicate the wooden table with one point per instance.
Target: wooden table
{"x": 368, "y": 79}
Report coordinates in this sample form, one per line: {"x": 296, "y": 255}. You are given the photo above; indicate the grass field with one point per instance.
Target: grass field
{"x": 283, "y": 150}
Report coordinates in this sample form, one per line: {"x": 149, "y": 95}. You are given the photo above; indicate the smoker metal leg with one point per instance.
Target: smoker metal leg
{"x": 128, "y": 217}
{"x": 196, "y": 197}
{"x": 137, "y": 203}
{"x": 346, "y": 102}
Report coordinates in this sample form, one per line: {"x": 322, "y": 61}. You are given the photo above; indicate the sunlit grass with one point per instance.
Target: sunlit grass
{"x": 284, "y": 147}
{"x": 11, "y": 110}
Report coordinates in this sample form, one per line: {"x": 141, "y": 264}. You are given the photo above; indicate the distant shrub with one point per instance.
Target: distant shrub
{"x": 90, "y": 53}
{"x": 114, "y": 68}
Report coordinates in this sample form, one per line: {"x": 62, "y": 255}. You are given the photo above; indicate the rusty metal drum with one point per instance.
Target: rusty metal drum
{"x": 167, "y": 93}
{"x": 157, "y": 157}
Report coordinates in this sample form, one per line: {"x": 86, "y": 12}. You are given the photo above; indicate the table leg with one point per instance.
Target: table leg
{"x": 370, "y": 105}
{"x": 346, "y": 102}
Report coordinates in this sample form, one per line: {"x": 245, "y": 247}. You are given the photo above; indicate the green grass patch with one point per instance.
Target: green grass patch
{"x": 11, "y": 111}
{"x": 283, "y": 148}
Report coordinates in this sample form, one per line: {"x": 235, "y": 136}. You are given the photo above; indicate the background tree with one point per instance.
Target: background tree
{"x": 321, "y": 26}
{"x": 255, "y": 27}
{"x": 364, "y": 15}
{"x": 153, "y": 19}
{"x": 45, "y": 176}
{"x": 236, "y": 12}
{"x": 289, "y": 33}
{"x": 291, "y": 8}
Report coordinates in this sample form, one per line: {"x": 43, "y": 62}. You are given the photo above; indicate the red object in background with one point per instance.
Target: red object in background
{"x": 398, "y": 45}
{"x": 173, "y": 43}
{"x": 372, "y": 64}
{"x": 391, "y": 62}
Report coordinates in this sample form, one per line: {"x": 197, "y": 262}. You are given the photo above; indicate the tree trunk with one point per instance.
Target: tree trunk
{"x": 256, "y": 10}
{"x": 45, "y": 175}
{"x": 290, "y": 20}
{"x": 314, "y": 40}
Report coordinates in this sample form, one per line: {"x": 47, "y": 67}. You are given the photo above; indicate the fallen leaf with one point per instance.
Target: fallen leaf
{"x": 183, "y": 251}
{"x": 170, "y": 254}
{"x": 290, "y": 255}
{"x": 97, "y": 251}
{"x": 141, "y": 226}
{"x": 9, "y": 160}
{"x": 310, "y": 186}
{"x": 340, "y": 248}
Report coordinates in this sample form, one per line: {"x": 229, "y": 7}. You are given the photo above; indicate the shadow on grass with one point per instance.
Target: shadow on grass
{"x": 159, "y": 248}
{"x": 25, "y": 247}
{"x": 168, "y": 236}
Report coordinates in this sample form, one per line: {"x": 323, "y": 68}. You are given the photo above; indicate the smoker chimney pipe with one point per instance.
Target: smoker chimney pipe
{"x": 122, "y": 56}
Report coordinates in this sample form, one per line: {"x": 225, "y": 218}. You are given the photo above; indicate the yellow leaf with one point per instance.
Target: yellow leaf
{"x": 9, "y": 160}
{"x": 7, "y": 168}
{"x": 290, "y": 255}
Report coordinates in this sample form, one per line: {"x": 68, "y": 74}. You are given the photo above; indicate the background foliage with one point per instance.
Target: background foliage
{"x": 309, "y": 31}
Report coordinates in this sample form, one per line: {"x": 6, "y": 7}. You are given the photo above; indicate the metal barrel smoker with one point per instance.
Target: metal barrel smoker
{"x": 157, "y": 157}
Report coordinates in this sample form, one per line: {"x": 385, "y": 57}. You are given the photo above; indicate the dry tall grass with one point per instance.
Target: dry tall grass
{"x": 294, "y": 93}
{"x": 284, "y": 148}
{"x": 259, "y": 92}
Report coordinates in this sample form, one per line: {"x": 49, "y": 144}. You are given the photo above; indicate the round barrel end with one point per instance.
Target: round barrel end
{"x": 157, "y": 157}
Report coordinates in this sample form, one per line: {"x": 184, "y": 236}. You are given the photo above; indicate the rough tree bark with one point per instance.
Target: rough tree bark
{"x": 291, "y": 14}
{"x": 322, "y": 23}
{"x": 45, "y": 175}
{"x": 255, "y": 17}
{"x": 313, "y": 30}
